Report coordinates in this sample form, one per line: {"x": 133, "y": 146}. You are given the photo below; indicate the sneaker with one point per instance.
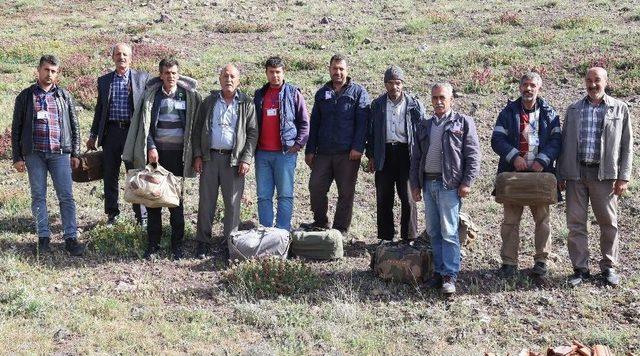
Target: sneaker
{"x": 43, "y": 246}
{"x": 578, "y": 277}
{"x": 74, "y": 247}
{"x": 176, "y": 253}
{"x": 150, "y": 252}
{"x": 142, "y": 222}
{"x": 448, "y": 285}
{"x": 112, "y": 219}
{"x": 435, "y": 282}
{"x": 507, "y": 271}
{"x": 539, "y": 268}
{"x": 610, "y": 275}
{"x": 202, "y": 250}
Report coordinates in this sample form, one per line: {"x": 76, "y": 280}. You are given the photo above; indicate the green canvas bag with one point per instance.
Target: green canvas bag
{"x": 317, "y": 244}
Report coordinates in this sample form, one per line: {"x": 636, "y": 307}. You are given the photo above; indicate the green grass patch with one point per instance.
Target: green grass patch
{"x": 238, "y": 27}
{"x": 124, "y": 239}
{"x": 415, "y": 26}
{"x": 21, "y": 302}
{"x": 576, "y": 23}
{"x": 537, "y": 39}
{"x": 270, "y": 277}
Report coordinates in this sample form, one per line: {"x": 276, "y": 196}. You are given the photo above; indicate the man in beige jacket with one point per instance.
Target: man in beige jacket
{"x": 595, "y": 166}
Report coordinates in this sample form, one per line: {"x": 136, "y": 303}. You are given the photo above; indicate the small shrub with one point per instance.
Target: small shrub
{"x": 270, "y": 277}
{"x": 536, "y": 39}
{"x": 495, "y": 29}
{"x": 517, "y": 70}
{"x": 124, "y": 239}
{"x": 85, "y": 90}
{"x": 511, "y": 18}
{"x": 415, "y": 26}
{"x": 5, "y": 144}
{"x": 575, "y": 22}
{"x": 238, "y": 27}
{"x": 438, "y": 17}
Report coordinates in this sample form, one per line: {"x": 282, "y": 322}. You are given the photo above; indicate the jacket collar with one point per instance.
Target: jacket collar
{"x": 184, "y": 82}
{"x": 239, "y": 95}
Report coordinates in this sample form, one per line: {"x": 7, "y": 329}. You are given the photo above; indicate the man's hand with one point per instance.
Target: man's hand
{"x": 243, "y": 168}
{"x": 294, "y": 149}
{"x": 355, "y": 155}
{"x": 75, "y": 162}
{"x": 562, "y": 185}
{"x": 536, "y": 167}
{"x": 520, "y": 164}
{"x": 152, "y": 155}
{"x": 620, "y": 186}
{"x": 463, "y": 190}
{"x": 308, "y": 159}
{"x": 91, "y": 144}
{"x": 417, "y": 196}
{"x": 197, "y": 164}
{"x": 20, "y": 166}
{"x": 371, "y": 166}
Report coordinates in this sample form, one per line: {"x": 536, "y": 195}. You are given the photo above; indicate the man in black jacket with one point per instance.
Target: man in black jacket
{"x": 394, "y": 115}
{"x": 119, "y": 97}
{"x": 45, "y": 140}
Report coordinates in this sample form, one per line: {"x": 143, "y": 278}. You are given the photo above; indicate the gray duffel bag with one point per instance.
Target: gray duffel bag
{"x": 258, "y": 242}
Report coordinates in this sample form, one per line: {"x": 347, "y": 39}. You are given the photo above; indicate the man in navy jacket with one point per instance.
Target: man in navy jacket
{"x": 339, "y": 121}
{"x": 119, "y": 97}
{"x": 527, "y": 137}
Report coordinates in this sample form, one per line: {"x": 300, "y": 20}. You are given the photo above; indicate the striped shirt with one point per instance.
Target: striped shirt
{"x": 120, "y": 110}
{"x": 46, "y": 121}
{"x": 591, "y": 131}
{"x": 433, "y": 162}
{"x": 169, "y": 134}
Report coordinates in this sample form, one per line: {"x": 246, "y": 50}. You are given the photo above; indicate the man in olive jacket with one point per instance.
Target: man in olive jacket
{"x": 161, "y": 133}
{"x": 595, "y": 166}
{"x": 225, "y": 135}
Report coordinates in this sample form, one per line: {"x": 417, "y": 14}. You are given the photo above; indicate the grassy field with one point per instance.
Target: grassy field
{"x": 111, "y": 301}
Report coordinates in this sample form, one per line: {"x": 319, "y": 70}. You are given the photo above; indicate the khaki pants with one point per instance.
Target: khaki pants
{"x": 605, "y": 208}
{"x": 510, "y": 232}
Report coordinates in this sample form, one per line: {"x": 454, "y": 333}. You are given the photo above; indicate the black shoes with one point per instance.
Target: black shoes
{"x": 435, "y": 282}
{"x": 112, "y": 219}
{"x": 43, "y": 246}
{"x": 610, "y": 276}
{"x": 202, "y": 250}
{"x": 539, "y": 269}
{"x": 578, "y": 277}
{"x": 150, "y": 252}
{"x": 74, "y": 247}
{"x": 507, "y": 271}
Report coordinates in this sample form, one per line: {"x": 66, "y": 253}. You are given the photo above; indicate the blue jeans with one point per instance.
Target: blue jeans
{"x": 442, "y": 210}
{"x": 39, "y": 164}
{"x": 275, "y": 170}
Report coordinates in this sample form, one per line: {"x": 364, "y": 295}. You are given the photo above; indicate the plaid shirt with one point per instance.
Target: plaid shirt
{"x": 46, "y": 131}
{"x": 119, "y": 109}
{"x": 591, "y": 131}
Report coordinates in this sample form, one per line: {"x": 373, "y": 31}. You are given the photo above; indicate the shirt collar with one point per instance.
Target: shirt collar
{"x": 170, "y": 93}
{"x": 390, "y": 102}
{"x": 235, "y": 96}
{"x": 605, "y": 101}
{"x": 38, "y": 89}
{"x": 124, "y": 76}
{"x": 445, "y": 118}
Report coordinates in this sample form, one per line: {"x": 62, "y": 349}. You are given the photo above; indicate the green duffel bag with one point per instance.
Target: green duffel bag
{"x": 317, "y": 244}
{"x": 407, "y": 262}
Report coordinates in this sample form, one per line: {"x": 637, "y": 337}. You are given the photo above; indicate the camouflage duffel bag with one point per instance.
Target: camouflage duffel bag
{"x": 257, "y": 243}
{"x": 526, "y": 188}
{"x": 409, "y": 262}
{"x": 317, "y": 244}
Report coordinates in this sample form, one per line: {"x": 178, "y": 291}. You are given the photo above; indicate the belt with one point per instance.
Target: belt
{"x": 221, "y": 151}
{"x": 397, "y": 144}
{"x": 121, "y": 124}
{"x": 590, "y": 164}
{"x": 433, "y": 176}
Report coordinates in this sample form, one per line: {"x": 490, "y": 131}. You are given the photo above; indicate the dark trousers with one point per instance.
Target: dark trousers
{"x": 113, "y": 145}
{"x": 171, "y": 161}
{"x": 326, "y": 169}
{"x": 395, "y": 174}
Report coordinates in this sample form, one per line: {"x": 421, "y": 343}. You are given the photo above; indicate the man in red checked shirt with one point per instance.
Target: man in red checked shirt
{"x": 283, "y": 123}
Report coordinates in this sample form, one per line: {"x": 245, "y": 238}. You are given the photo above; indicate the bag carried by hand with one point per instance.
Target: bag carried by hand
{"x": 317, "y": 244}
{"x": 402, "y": 261}
{"x": 257, "y": 243}
{"x": 526, "y": 188}
{"x": 153, "y": 187}
{"x": 90, "y": 167}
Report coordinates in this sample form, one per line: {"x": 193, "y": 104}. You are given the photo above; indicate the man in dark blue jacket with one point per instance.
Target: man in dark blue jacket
{"x": 394, "y": 115}
{"x": 527, "y": 137}
{"x": 283, "y": 122}
{"x": 337, "y": 136}
{"x": 119, "y": 97}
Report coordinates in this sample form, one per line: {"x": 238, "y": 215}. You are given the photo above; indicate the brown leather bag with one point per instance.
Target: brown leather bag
{"x": 90, "y": 167}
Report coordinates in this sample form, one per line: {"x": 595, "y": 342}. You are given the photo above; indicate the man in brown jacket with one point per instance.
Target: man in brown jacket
{"x": 595, "y": 165}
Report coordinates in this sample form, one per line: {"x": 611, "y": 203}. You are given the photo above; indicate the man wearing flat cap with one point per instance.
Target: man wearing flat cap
{"x": 394, "y": 115}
